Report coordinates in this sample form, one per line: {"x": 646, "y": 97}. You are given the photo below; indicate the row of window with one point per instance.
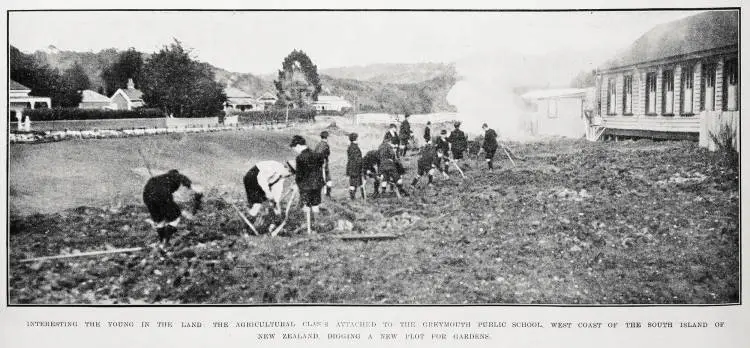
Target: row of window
{"x": 730, "y": 95}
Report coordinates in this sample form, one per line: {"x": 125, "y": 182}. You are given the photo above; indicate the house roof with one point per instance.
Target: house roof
{"x": 232, "y": 92}
{"x": 700, "y": 32}
{"x": 330, "y": 98}
{"x": 267, "y": 95}
{"x": 554, "y": 93}
{"x": 90, "y": 96}
{"x": 242, "y": 101}
{"x": 15, "y": 86}
{"x": 133, "y": 94}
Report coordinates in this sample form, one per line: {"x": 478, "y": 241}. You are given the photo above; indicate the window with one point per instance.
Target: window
{"x": 611, "y": 95}
{"x": 686, "y": 90}
{"x": 708, "y": 86}
{"x": 627, "y": 95}
{"x": 552, "y": 108}
{"x": 731, "y": 76}
{"x": 651, "y": 93}
{"x": 667, "y": 92}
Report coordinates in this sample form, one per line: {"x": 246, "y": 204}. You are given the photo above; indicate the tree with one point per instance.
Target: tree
{"x": 177, "y": 84}
{"x": 40, "y": 78}
{"x": 584, "y": 79}
{"x": 129, "y": 65}
{"x": 74, "y": 80}
{"x": 298, "y": 82}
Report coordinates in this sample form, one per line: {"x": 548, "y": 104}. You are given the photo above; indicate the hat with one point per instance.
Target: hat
{"x": 393, "y": 125}
{"x": 297, "y": 140}
{"x": 429, "y": 123}
{"x": 484, "y": 125}
{"x": 443, "y": 131}
{"x": 324, "y": 135}
{"x": 457, "y": 124}
{"x": 353, "y": 137}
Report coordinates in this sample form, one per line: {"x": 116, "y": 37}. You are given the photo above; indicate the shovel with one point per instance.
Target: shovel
{"x": 247, "y": 222}
{"x": 457, "y": 167}
{"x": 286, "y": 215}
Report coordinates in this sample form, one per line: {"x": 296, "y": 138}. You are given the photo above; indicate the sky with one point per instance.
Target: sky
{"x": 257, "y": 42}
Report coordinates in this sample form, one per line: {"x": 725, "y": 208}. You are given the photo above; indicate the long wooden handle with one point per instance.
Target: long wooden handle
{"x": 90, "y": 253}
{"x": 244, "y": 218}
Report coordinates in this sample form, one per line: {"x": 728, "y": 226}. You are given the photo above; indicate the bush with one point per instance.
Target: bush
{"x": 58, "y": 114}
{"x": 725, "y": 142}
{"x": 273, "y": 116}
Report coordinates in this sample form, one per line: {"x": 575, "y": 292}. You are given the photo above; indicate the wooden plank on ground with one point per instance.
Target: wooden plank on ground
{"x": 90, "y": 253}
{"x": 379, "y": 236}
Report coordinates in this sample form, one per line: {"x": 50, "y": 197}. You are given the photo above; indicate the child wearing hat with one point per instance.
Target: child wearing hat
{"x": 443, "y": 146}
{"x": 354, "y": 166}
{"x": 489, "y": 146}
{"x": 325, "y": 150}
{"x": 458, "y": 142}
{"x": 309, "y": 178}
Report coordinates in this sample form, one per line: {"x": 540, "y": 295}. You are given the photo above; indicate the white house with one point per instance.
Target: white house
{"x": 128, "y": 98}
{"x": 237, "y": 99}
{"x": 558, "y": 112}
{"x": 19, "y": 99}
{"x": 267, "y": 99}
{"x": 93, "y": 100}
{"x": 331, "y": 103}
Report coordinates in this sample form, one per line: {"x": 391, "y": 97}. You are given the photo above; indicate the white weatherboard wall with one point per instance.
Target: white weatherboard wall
{"x": 559, "y": 117}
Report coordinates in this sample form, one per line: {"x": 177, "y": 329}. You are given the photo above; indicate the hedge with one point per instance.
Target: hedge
{"x": 273, "y": 116}
{"x": 57, "y": 114}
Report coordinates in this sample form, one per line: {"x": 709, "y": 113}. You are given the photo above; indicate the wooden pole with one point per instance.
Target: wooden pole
{"x": 90, "y": 253}
{"x": 247, "y": 222}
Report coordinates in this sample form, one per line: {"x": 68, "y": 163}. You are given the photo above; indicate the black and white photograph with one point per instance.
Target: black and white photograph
{"x": 373, "y": 157}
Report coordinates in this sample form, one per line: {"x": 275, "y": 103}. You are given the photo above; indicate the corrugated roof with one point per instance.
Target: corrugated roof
{"x": 329, "y": 98}
{"x": 89, "y": 96}
{"x": 554, "y": 93}
{"x": 701, "y": 32}
{"x": 242, "y": 101}
{"x": 267, "y": 95}
{"x": 15, "y": 86}
{"x": 232, "y": 92}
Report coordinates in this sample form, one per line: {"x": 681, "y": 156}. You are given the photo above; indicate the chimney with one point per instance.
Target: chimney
{"x": 131, "y": 85}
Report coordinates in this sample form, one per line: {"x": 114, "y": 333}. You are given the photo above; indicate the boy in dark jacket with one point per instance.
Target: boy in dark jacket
{"x": 428, "y": 162}
{"x": 489, "y": 146}
{"x": 354, "y": 166}
{"x": 404, "y": 134}
{"x": 458, "y": 142}
{"x": 371, "y": 168}
{"x": 391, "y": 137}
{"x": 427, "y": 136}
{"x": 443, "y": 146}
{"x": 325, "y": 150}
{"x": 390, "y": 173}
{"x": 158, "y": 195}
{"x": 309, "y": 178}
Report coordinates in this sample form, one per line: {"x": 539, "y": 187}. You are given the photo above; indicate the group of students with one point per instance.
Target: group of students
{"x": 264, "y": 182}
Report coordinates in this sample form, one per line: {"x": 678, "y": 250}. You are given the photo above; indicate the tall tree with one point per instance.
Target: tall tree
{"x": 74, "y": 80}
{"x": 40, "y": 78}
{"x": 179, "y": 85}
{"x": 129, "y": 65}
{"x": 298, "y": 82}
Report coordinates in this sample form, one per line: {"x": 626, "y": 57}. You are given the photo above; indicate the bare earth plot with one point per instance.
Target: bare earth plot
{"x": 577, "y": 222}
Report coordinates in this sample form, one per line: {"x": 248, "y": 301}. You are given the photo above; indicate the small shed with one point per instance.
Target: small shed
{"x": 128, "y": 98}
{"x": 94, "y": 100}
{"x": 557, "y": 112}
